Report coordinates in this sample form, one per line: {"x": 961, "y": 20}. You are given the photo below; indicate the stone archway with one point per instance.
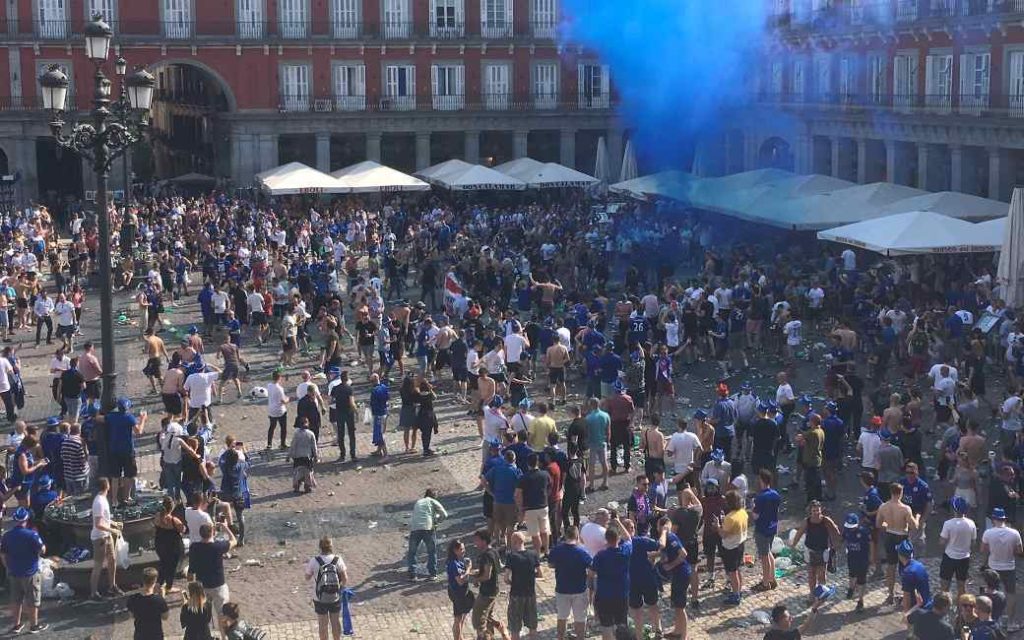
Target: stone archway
{"x": 775, "y": 153}
{"x": 188, "y": 133}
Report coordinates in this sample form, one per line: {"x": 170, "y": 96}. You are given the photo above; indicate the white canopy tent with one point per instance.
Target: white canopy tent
{"x": 296, "y": 178}
{"x": 457, "y": 175}
{"x": 731, "y": 194}
{"x": 545, "y": 175}
{"x": 950, "y": 203}
{"x": 844, "y": 206}
{"x": 779, "y": 203}
{"x": 1011, "y": 258}
{"x": 910, "y": 233}
{"x": 602, "y": 164}
{"x": 993, "y": 231}
{"x": 665, "y": 184}
{"x": 629, "y": 169}
{"x": 370, "y": 176}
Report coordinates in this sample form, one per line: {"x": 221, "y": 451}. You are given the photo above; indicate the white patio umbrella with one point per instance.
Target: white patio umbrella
{"x": 602, "y": 168}
{"x": 910, "y": 233}
{"x": 1011, "y": 259}
{"x": 629, "y": 170}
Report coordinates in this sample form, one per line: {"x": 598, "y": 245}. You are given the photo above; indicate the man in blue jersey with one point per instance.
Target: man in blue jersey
{"x": 676, "y": 566}
{"x": 913, "y": 578}
{"x": 644, "y": 583}
{"x": 857, "y": 535}
{"x": 571, "y": 562}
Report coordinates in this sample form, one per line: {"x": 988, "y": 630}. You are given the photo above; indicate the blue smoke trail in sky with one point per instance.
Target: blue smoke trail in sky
{"x": 677, "y": 64}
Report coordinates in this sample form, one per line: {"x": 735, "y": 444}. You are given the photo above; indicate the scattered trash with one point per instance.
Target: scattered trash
{"x": 290, "y": 524}
{"x": 763, "y": 617}
{"x": 372, "y": 524}
{"x": 331, "y": 493}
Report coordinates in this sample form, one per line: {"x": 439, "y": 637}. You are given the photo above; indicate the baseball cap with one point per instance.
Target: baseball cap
{"x": 496, "y": 402}
{"x": 885, "y": 434}
{"x": 21, "y": 514}
{"x": 852, "y": 521}
{"x": 52, "y": 421}
{"x": 124, "y": 404}
{"x": 876, "y": 421}
{"x": 959, "y": 504}
{"x": 712, "y": 482}
{"x": 44, "y": 481}
{"x": 619, "y": 386}
{"x": 718, "y": 455}
{"x": 805, "y": 399}
{"x": 700, "y": 414}
{"x": 831, "y": 405}
{"x": 763, "y": 407}
{"x": 723, "y": 389}
{"x": 905, "y": 548}
{"x": 998, "y": 513}
{"x": 745, "y": 386}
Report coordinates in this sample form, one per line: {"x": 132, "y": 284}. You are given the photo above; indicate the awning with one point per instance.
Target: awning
{"x": 370, "y": 176}
{"x": 545, "y": 175}
{"x": 296, "y": 178}
{"x": 911, "y": 233}
{"x": 457, "y": 175}
{"x": 952, "y": 203}
{"x": 675, "y": 185}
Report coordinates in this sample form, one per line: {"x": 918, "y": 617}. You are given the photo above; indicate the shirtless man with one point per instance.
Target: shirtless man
{"x": 706, "y": 434}
{"x": 556, "y": 358}
{"x": 896, "y": 521}
{"x": 442, "y": 342}
{"x": 153, "y": 347}
{"x": 232, "y": 357}
{"x": 974, "y": 445}
{"x": 892, "y": 417}
{"x": 547, "y": 294}
{"x": 652, "y": 443}
{"x": 485, "y": 390}
{"x": 173, "y": 385}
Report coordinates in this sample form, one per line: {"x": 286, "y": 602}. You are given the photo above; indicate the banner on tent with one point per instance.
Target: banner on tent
{"x": 311, "y": 190}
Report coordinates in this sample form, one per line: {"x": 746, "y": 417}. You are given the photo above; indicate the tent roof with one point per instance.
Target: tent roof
{"x": 951, "y": 203}
{"x": 908, "y": 233}
{"x": 297, "y": 178}
{"x": 192, "y": 178}
{"x": 778, "y": 203}
{"x": 370, "y": 176}
{"x": 545, "y": 175}
{"x": 462, "y": 176}
{"x": 992, "y": 231}
{"x": 732, "y": 194}
{"x": 666, "y": 184}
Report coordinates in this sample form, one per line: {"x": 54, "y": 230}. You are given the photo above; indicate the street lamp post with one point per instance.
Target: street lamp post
{"x": 113, "y": 128}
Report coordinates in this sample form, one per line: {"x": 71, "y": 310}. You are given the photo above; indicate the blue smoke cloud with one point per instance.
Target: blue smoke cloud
{"x": 678, "y": 65}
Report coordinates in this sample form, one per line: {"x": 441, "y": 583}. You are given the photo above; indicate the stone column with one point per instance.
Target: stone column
{"x": 956, "y": 167}
{"x": 835, "y": 156}
{"x": 567, "y": 148}
{"x": 997, "y": 183}
{"x": 24, "y": 160}
{"x": 803, "y": 157}
{"x": 922, "y": 166}
{"x": 520, "y": 146}
{"x": 750, "y": 145}
{"x": 268, "y": 152}
{"x": 890, "y": 161}
{"x": 472, "y": 147}
{"x": 862, "y": 161}
{"x": 373, "y": 146}
{"x": 323, "y": 152}
{"x": 422, "y": 150}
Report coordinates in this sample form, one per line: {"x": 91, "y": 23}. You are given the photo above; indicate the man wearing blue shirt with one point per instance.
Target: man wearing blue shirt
{"x": 918, "y": 495}
{"x": 611, "y": 571}
{"x": 766, "y": 526}
{"x": 610, "y": 365}
{"x": 723, "y": 416}
{"x": 121, "y": 429}
{"x": 592, "y": 362}
{"x": 913, "y": 578}
{"x": 379, "y": 410}
{"x": 599, "y": 426}
{"x": 20, "y": 549}
{"x": 502, "y": 481}
{"x": 835, "y": 432}
{"x": 571, "y": 562}
{"x": 870, "y": 503}
{"x": 857, "y": 535}
{"x": 676, "y": 564}
{"x": 643, "y": 579}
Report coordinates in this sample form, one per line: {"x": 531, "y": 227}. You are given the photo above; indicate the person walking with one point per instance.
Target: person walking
{"x": 486, "y": 576}
{"x": 598, "y": 424}
{"x": 426, "y": 513}
{"x": 766, "y": 526}
{"x": 329, "y": 574}
{"x": 458, "y": 568}
{"x": 20, "y": 550}
{"x": 196, "y": 614}
{"x": 304, "y": 453}
{"x": 379, "y": 396}
{"x": 571, "y": 562}
{"x": 531, "y": 497}
{"x": 821, "y": 532}
{"x": 277, "y": 410}
{"x": 957, "y": 537}
{"x": 857, "y": 535}
{"x": 206, "y": 563}
{"x": 1001, "y": 544}
{"x": 168, "y": 544}
{"x": 344, "y": 415}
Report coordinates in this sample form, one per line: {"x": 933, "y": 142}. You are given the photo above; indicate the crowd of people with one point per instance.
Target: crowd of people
{"x": 570, "y": 337}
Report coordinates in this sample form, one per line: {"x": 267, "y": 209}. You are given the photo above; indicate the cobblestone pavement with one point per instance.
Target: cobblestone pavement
{"x": 364, "y": 505}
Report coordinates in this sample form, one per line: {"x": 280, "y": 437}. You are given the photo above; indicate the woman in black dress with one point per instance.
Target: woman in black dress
{"x": 196, "y": 614}
{"x": 426, "y": 421}
{"x": 407, "y": 417}
{"x": 168, "y": 544}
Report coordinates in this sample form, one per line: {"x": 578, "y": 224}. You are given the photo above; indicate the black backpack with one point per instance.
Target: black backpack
{"x": 328, "y": 581}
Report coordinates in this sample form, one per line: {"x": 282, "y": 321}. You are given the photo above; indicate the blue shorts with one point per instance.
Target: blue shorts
{"x": 378, "y": 430}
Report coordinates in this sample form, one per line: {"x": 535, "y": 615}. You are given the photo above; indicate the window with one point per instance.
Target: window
{"x": 876, "y": 79}
{"x": 399, "y": 88}
{"x": 294, "y": 18}
{"x": 593, "y": 86}
{"x": 847, "y": 79}
{"x": 349, "y": 87}
{"x": 545, "y": 18}
{"x": 106, "y": 9}
{"x": 801, "y": 11}
{"x": 856, "y": 11}
{"x": 938, "y": 81}
{"x": 496, "y": 86}
{"x": 250, "y": 19}
{"x": 396, "y": 19}
{"x": 496, "y": 18}
{"x": 51, "y": 19}
{"x": 446, "y": 19}
{"x": 823, "y": 78}
{"x": 65, "y": 67}
{"x": 1015, "y": 83}
{"x": 799, "y": 81}
{"x": 545, "y": 85}
{"x": 775, "y": 81}
{"x": 780, "y": 8}
{"x": 942, "y": 8}
{"x": 447, "y": 86}
{"x": 177, "y": 18}
{"x": 295, "y": 87}
{"x": 906, "y": 10}
{"x": 904, "y": 81}
{"x": 345, "y": 19}
{"x": 975, "y": 72}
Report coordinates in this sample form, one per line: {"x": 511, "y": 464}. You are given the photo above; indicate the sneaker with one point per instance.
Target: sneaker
{"x": 18, "y": 628}
{"x": 42, "y": 626}
{"x": 849, "y": 594}
{"x": 695, "y": 603}
{"x": 860, "y": 607}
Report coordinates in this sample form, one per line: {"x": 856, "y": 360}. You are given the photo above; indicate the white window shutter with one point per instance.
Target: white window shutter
{"x": 360, "y": 88}
{"x": 929, "y": 75}
{"x": 581, "y": 76}
{"x": 460, "y": 80}
{"x": 966, "y": 75}
{"x": 605, "y": 83}
{"x": 986, "y": 77}
{"x": 410, "y": 81}
{"x": 433, "y": 80}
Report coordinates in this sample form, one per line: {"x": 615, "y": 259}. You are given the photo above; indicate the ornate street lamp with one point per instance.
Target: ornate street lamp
{"x": 110, "y": 132}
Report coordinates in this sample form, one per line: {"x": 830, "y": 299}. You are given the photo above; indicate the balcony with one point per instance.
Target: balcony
{"x": 447, "y": 29}
{"x": 52, "y": 29}
{"x": 252, "y": 29}
{"x": 485, "y": 103}
{"x": 396, "y": 30}
{"x": 889, "y": 14}
{"x": 544, "y": 29}
{"x": 179, "y": 29}
{"x": 496, "y": 30}
{"x": 293, "y": 29}
{"x": 977, "y": 106}
{"x": 588, "y": 102}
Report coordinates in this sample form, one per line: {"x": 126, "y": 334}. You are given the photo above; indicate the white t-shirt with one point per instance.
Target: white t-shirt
{"x": 61, "y": 364}
{"x": 494, "y": 423}
{"x": 65, "y": 313}
{"x": 784, "y": 394}
{"x": 194, "y": 519}
{"x": 170, "y": 442}
{"x": 514, "y": 346}
{"x": 302, "y": 389}
{"x": 672, "y": 334}
{"x": 313, "y": 567}
{"x": 959, "y": 534}
{"x": 200, "y": 389}
{"x": 472, "y": 362}
{"x": 945, "y": 391}
{"x": 683, "y": 446}
{"x": 1011, "y": 413}
{"x": 592, "y": 537}
{"x": 849, "y": 260}
{"x": 521, "y": 422}
{"x": 6, "y": 370}
{"x": 815, "y": 297}
{"x": 1002, "y": 546}
{"x": 870, "y": 444}
{"x": 793, "y": 330}
{"x": 966, "y": 317}
{"x": 219, "y": 299}
{"x": 742, "y": 486}
{"x": 276, "y": 406}
{"x": 101, "y": 510}
{"x": 255, "y": 302}
{"x": 935, "y": 373}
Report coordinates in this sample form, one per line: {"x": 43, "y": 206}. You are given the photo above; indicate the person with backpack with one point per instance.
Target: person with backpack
{"x": 329, "y": 576}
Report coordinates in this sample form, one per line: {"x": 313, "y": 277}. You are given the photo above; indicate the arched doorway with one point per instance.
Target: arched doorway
{"x": 775, "y": 153}
{"x": 187, "y": 133}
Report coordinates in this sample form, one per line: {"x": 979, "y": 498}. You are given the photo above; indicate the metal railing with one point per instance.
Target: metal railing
{"x": 893, "y": 13}
{"x": 488, "y": 102}
{"x": 292, "y": 29}
{"x": 496, "y": 30}
{"x": 33, "y": 103}
{"x": 447, "y": 29}
{"x": 993, "y": 106}
{"x": 395, "y": 30}
{"x": 52, "y": 29}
